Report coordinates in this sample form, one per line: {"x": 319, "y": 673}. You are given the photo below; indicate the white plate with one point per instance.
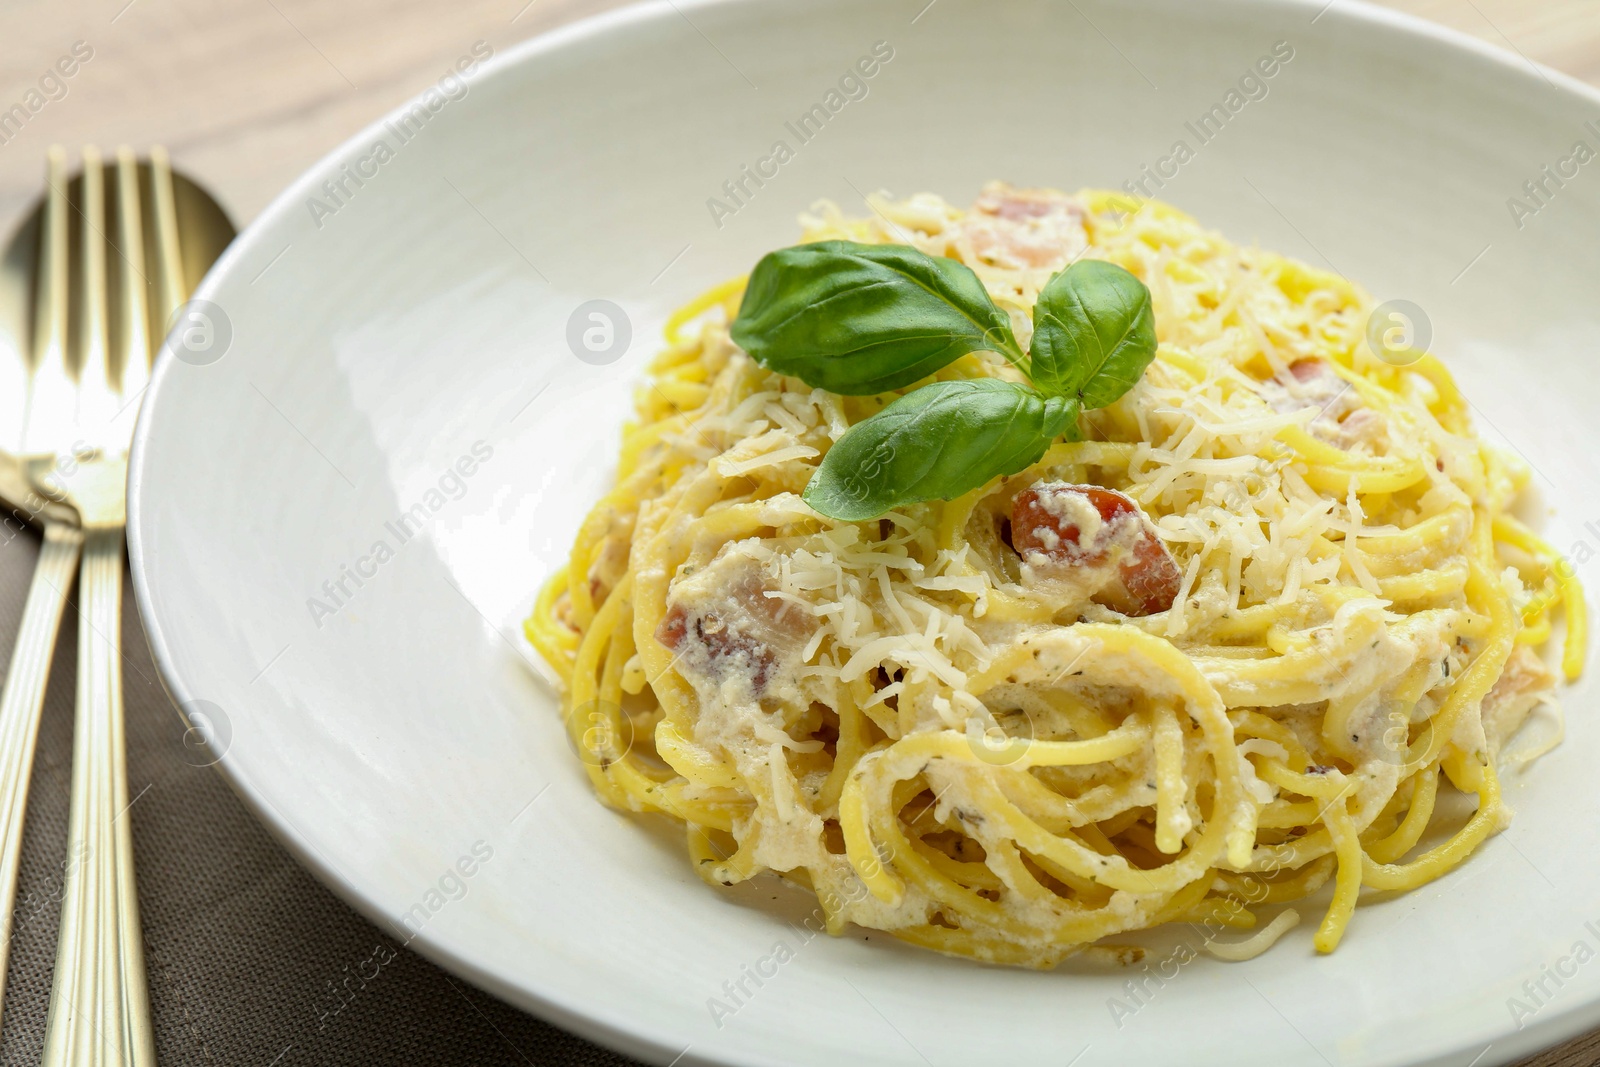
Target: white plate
{"x": 372, "y": 346}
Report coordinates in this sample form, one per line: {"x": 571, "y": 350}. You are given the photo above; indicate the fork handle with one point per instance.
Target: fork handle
{"x": 22, "y": 700}
{"x": 99, "y": 1006}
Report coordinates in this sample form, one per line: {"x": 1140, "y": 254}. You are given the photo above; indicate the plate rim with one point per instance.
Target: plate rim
{"x": 546, "y": 1001}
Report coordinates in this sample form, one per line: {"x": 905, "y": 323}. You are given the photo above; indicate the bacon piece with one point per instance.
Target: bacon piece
{"x": 1056, "y": 525}
{"x": 1019, "y": 205}
{"x": 1342, "y": 419}
{"x": 1309, "y": 370}
{"x": 741, "y": 630}
{"x": 1307, "y": 382}
{"x": 716, "y": 644}
{"x": 1025, "y": 227}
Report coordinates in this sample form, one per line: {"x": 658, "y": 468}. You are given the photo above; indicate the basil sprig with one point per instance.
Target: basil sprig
{"x": 932, "y": 442}
{"x": 1093, "y": 333}
{"x": 863, "y": 319}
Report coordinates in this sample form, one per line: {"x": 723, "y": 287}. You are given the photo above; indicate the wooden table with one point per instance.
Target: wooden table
{"x": 249, "y": 93}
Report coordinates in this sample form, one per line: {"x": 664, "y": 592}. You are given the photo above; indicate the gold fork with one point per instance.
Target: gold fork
{"x": 83, "y": 400}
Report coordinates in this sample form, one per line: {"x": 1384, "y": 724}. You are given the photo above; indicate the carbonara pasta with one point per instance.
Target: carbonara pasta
{"x": 1227, "y": 649}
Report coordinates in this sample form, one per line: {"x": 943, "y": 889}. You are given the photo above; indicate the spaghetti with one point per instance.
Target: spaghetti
{"x": 985, "y": 728}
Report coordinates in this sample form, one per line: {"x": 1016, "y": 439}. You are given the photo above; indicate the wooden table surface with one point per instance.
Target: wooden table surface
{"x": 249, "y": 93}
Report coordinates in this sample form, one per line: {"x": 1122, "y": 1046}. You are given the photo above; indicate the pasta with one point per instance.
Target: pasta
{"x": 1310, "y": 611}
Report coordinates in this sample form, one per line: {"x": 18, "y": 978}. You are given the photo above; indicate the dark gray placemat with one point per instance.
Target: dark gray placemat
{"x": 245, "y": 951}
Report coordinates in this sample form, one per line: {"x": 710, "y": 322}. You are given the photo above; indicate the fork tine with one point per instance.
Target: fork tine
{"x": 172, "y": 287}
{"x": 131, "y": 346}
{"x": 96, "y": 402}
{"x": 52, "y": 396}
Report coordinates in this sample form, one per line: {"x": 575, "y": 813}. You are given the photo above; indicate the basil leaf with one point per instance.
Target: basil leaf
{"x": 1093, "y": 333}
{"x": 860, "y": 319}
{"x": 942, "y": 440}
